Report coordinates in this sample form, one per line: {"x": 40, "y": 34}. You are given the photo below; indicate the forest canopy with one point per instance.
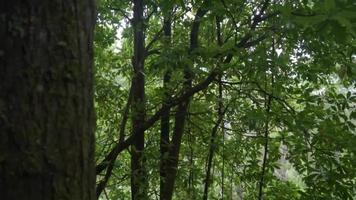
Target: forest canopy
{"x": 225, "y": 99}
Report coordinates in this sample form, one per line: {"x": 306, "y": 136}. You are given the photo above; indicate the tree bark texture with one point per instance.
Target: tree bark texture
{"x": 46, "y": 100}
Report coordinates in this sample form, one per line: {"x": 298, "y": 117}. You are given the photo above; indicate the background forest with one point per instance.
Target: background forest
{"x": 225, "y": 99}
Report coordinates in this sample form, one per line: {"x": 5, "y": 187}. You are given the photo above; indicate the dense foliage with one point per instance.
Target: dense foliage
{"x": 269, "y": 88}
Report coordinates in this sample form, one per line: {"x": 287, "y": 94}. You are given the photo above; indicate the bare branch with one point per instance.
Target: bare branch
{"x": 122, "y": 12}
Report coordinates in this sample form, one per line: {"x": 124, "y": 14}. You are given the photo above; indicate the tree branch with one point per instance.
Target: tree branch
{"x": 186, "y": 95}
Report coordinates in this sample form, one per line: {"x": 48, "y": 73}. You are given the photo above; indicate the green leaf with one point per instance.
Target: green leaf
{"x": 329, "y": 5}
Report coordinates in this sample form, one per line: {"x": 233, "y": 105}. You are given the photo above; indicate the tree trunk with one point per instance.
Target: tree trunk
{"x": 46, "y": 100}
{"x": 173, "y": 156}
{"x": 165, "y": 126}
{"x": 180, "y": 116}
{"x": 221, "y": 113}
{"x": 138, "y": 174}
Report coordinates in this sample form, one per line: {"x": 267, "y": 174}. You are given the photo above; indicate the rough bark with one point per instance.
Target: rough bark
{"x": 138, "y": 174}
{"x": 46, "y": 100}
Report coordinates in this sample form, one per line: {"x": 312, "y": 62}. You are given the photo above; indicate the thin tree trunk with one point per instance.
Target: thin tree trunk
{"x": 138, "y": 174}
{"x": 223, "y": 159}
{"x": 190, "y": 190}
{"x": 265, "y": 152}
{"x": 180, "y": 116}
{"x": 216, "y": 127}
{"x": 165, "y": 125}
{"x": 211, "y": 151}
{"x": 172, "y": 162}
{"x": 46, "y": 100}
{"x": 268, "y": 101}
